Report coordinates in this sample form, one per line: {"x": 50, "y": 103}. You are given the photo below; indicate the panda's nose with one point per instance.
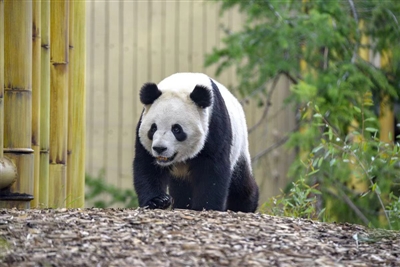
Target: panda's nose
{"x": 159, "y": 149}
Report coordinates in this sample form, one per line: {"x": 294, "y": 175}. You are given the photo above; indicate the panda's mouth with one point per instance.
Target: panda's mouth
{"x": 161, "y": 159}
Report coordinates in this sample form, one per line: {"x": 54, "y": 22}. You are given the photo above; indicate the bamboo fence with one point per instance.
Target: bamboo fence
{"x": 42, "y": 107}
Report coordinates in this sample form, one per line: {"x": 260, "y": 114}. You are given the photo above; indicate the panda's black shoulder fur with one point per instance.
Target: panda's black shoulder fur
{"x": 210, "y": 169}
{"x": 220, "y": 133}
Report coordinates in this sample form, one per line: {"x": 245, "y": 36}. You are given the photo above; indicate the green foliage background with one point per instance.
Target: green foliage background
{"x": 336, "y": 88}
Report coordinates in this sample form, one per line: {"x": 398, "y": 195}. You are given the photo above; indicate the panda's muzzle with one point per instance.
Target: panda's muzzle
{"x": 162, "y": 159}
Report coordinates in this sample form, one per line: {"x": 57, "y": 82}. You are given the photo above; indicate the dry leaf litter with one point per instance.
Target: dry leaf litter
{"x": 137, "y": 237}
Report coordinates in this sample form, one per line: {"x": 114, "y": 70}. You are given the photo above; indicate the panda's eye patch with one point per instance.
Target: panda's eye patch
{"x": 176, "y": 129}
{"x": 152, "y": 130}
{"x": 178, "y": 132}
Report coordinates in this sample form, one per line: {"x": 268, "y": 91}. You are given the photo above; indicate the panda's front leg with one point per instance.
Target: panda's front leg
{"x": 150, "y": 181}
{"x": 211, "y": 180}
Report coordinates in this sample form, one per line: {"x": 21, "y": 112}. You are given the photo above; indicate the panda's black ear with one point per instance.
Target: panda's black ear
{"x": 149, "y": 93}
{"x": 201, "y": 95}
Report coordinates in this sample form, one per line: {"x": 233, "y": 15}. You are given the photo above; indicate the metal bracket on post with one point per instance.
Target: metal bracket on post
{"x": 8, "y": 176}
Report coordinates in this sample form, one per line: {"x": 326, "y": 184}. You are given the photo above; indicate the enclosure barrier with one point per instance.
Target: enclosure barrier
{"x": 7, "y": 168}
{"x": 42, "y": 71}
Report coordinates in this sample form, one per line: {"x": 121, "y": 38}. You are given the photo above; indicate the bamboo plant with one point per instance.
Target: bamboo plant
{"x": 36, "y": 36}
{"x": 1, "y": 77}
{"x": 18, "y": 93}
{"x": 44, "y": 104}
{"x": 7, "y": 169}
{"x": 76, "y": 106}
{"x": 58, "y": 102}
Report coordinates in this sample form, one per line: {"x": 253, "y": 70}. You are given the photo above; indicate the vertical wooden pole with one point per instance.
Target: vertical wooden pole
{"x": 36, "y": 38}
{"x": 44, "y": 104}
{"x": 18, "y": 92}
{"x": 76, "y": 106}
{"x": 58, "y": 101}
{"x": 386, "y": 114}
{"x": 359, "y": 184}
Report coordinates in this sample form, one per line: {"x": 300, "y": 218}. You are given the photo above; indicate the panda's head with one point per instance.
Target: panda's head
{"x": 174, "y": 123}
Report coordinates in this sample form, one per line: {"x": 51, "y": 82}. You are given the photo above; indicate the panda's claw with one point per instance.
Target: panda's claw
{"x": 160, "y": 202}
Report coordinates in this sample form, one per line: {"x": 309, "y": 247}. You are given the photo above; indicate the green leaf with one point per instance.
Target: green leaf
{"x": 315, "y": 191}
{"x": 370, "y": 129}
{"x": 320, "y": 162}
{"x": 370, "y": 119}
{"x": 318, "y": 148}
{"x": 376, "y": 189}
{"x": 317, "y": 115}
{"x": 313, "y": 172}
{"x": 357, "y": 109}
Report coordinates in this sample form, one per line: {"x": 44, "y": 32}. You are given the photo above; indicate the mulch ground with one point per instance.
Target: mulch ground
{"x": 137, "y": 237}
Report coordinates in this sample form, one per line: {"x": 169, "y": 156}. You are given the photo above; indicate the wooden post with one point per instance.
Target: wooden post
{"x": 76, "y": 106}
{"x": 59, "y": 10}
{"x": 386, "y": 114}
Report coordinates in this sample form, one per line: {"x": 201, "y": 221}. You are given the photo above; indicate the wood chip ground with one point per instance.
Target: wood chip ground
{"x": 137, "y": 237}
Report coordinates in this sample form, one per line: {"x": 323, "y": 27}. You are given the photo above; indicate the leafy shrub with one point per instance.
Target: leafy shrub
{"x": 299, "y": 202}
{"x": 104, "y": 195}
{"x": 320, "y": 46}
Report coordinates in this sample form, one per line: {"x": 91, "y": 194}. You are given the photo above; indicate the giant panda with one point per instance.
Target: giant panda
{"x": 192, "y": 140}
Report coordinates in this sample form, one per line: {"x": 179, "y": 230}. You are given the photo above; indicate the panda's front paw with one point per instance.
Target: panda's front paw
{"x": 160, "y": 202}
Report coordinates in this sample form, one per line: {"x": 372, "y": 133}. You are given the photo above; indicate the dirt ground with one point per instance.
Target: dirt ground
{"x": 137, "y": 237}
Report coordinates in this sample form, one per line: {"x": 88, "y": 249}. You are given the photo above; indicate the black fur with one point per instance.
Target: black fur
{"x": 243, "y": 191}
{"x": 211, "y": 185}
{"x": 201, "y": 95}
{"x": 178, "y": 132}
{"x": 149, "y": 93}
{"x": 152, "y": 131}
{"x": 210, "y": 170}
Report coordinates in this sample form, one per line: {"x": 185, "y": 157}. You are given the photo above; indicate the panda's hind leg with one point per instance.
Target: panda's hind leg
{"x": 243, "y": 190}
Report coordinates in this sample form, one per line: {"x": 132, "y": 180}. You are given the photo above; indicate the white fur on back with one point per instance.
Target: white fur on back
{"x": 184, "y": 83}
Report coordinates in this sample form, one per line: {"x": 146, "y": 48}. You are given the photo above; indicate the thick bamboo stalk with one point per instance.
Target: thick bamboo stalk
{"x": 386, "y": 114}
{"x": 36, "y": 36}
{"x": 18, "y": 75}
{"x": 17, "y": 92}
{"x": 44, "y": 104}
{"x": 76, "y": 106}
{"x": 1, "y": 78}
{"x": 58, "y": 101}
